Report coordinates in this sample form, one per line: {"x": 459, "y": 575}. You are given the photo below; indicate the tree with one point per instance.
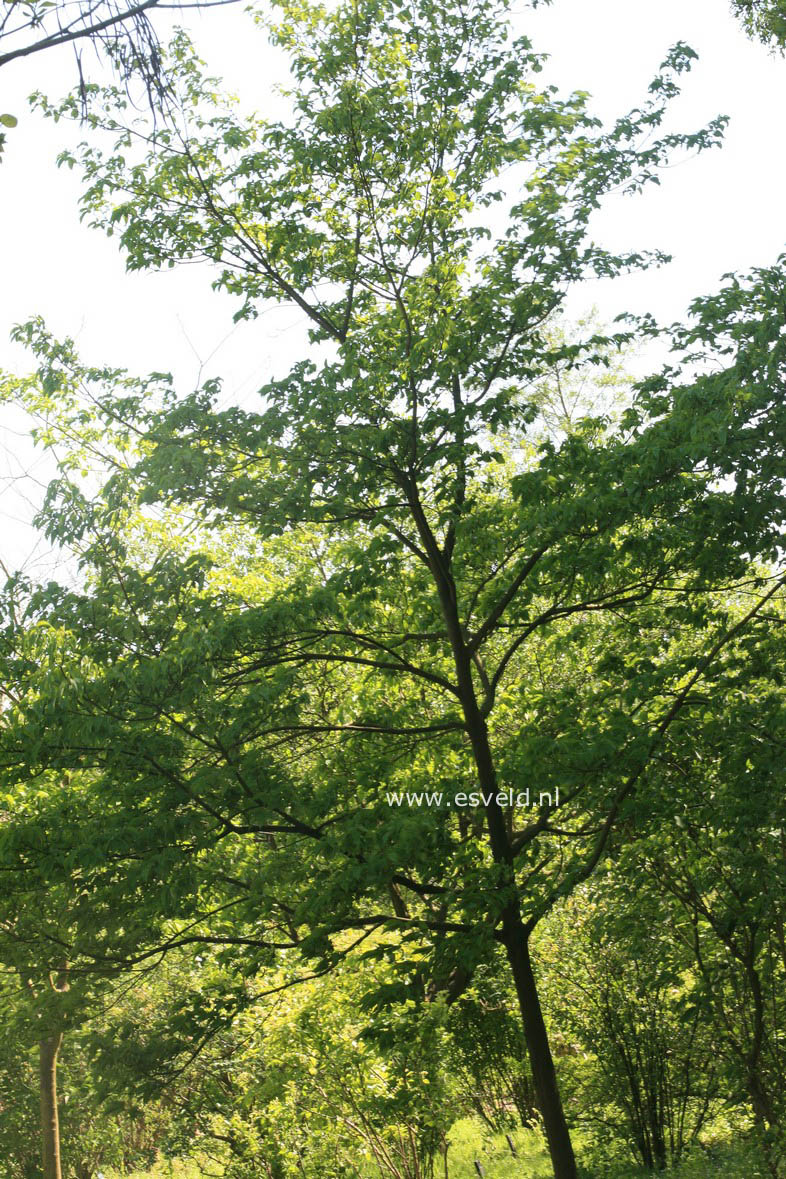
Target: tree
{"x": 716, "y": 861}
{"x": 443, "y": 596}
{"x": 764, "y": 19}
{"x": 49, "y": 916}
{"x": 122, "y": 32}
{"x": 488, "y": 1054}
{"x": 31, "y": 951}
{"x": 94, "y": 1136}
{"x": 621, "y": 988}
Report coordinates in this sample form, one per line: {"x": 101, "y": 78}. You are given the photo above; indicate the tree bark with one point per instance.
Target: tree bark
{"x": 514, "y": 935}
{"x": 544, "y": 1075}
{"x": 516, "y": 941}
{"x": 50, "y": 1129}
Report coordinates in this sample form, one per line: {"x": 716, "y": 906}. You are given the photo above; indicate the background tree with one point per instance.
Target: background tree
{"x": 717, "y": 863}
{"x": 641, "y": 1052}
{"x": 488, "y": 1054}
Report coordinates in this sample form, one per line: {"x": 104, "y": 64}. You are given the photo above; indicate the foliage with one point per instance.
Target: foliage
{"x": 488, "y": 1053}
{"x": 764, "y": 19}
{"x": 293, "y": 1081}
{"x": 718, "y": 863}
{"x": 640, "y": 1049}
{"x": 93, "y": 1137}
{"x": 408, "y": 574}
{"x": 121, "y": 31}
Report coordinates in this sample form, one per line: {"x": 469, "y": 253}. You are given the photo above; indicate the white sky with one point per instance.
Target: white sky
{"x": 717, "y": 212}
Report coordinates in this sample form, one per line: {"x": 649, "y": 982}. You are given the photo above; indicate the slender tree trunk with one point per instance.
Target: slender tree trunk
{"x": 544, "y": 1076}
{"x": 514, "y": 934}
{"x": 50, "y": 1129}
{"x": 516, "y": 942}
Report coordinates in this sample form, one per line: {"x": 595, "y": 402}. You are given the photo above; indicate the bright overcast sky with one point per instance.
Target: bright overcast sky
{"x": 724, "y": 210}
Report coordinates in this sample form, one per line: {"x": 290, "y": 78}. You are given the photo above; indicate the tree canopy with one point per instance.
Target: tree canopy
{"x": 764, "y": 19}
{"x": 388, "y": 668}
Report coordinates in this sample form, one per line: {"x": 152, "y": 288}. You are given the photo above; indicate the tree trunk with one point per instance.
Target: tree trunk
{"x": 514, "y": 935}
{"x": 516, "y": 942}
{"x": 50, "y": 1130}
{"x": 544, "y": 1076}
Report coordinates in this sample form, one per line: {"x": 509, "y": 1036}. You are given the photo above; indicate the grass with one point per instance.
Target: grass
{"x": 166, "y": 1169}
{"x": 729, "y": 1160}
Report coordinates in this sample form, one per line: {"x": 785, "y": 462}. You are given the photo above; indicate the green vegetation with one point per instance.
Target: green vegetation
{"x": 764, "y": 19}
{"x": 468, "y": 1144}
{"x": 394, "y": 790}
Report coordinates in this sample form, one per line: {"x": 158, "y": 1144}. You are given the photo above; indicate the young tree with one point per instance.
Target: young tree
{"x": 715, "y": 859}
{"x": 621, "y": 987}
{"x": 443, "y": 597}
